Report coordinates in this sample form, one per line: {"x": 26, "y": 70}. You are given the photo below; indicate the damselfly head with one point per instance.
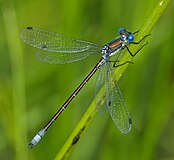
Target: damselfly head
{"x": 126, "y": 35}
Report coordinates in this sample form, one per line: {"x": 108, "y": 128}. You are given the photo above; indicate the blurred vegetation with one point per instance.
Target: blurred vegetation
{"x": 31, "y": 91}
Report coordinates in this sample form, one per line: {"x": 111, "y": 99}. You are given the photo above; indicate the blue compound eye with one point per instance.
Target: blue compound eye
{"x": 121, "y": 31}
{"x": 131, "y": 38}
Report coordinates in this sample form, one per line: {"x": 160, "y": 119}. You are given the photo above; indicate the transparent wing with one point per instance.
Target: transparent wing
{"x": 55, "y": 48}
{"x": 100, "y": 82}
{"x": 60, "y": 58}
{"x": 116, "y": 104}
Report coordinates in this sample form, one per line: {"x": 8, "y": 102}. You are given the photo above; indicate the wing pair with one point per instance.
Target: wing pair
{"x": 56, "y": 48}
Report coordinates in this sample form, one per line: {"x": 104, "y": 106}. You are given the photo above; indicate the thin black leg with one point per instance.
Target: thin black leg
{"x": 113, "y": 62}
{"x": 140, "y": 40}
{"x": 136, "y": 32}
{"x": 133, "y": 54}
{"x": 114, "y": 65}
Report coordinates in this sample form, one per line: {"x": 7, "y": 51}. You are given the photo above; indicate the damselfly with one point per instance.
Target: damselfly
{"x": 58, "y": 49}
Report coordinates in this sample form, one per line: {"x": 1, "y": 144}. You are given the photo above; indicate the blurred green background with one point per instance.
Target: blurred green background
{"x": 32, "y": 91}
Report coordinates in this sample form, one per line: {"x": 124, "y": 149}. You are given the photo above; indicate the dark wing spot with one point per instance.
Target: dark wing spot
{"x": 109, "y": 103}
{"x": 44, "y": 47}
{"x": 130, "y": 120}
{"x": 30, "y": 28}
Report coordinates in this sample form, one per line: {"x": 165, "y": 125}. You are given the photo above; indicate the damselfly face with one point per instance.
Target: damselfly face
{"x": 126, "y": 36}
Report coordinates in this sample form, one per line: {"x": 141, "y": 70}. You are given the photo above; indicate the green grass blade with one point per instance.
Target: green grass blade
{"x": 18, "y": 131}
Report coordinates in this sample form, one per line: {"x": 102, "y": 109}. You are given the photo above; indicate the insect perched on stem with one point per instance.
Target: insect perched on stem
{"x": 58, "y": 49}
